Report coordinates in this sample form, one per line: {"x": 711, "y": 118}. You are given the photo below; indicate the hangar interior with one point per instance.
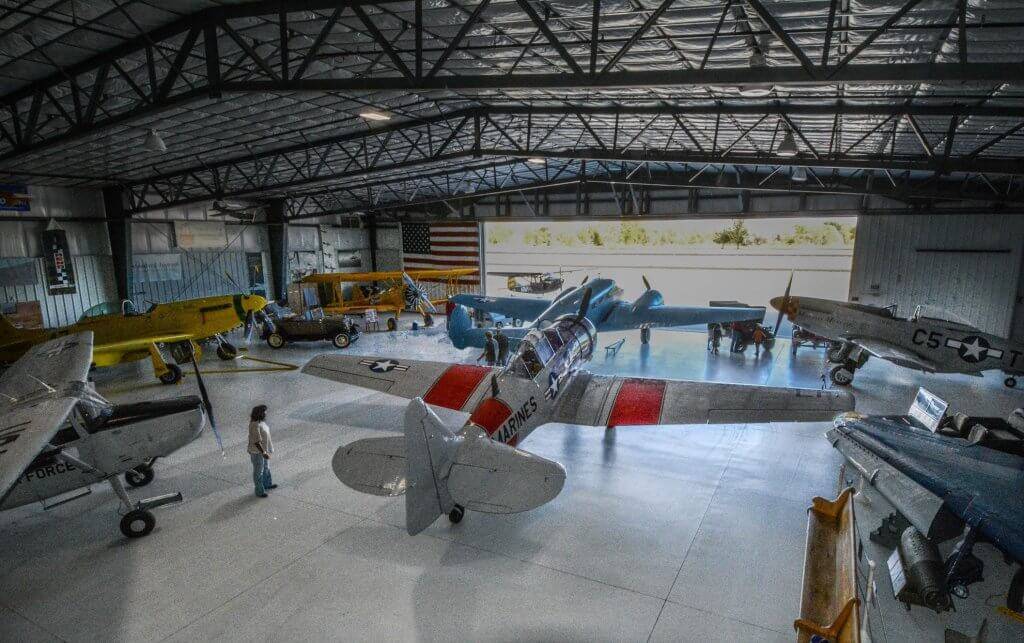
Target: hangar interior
{"x": 159, "y": 153}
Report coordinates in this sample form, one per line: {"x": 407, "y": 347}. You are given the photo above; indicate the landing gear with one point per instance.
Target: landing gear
{"x": 275, "y": 340}
{"x": 227, "y": 351}
{"x": 137, "y": 523}
{"x": 1010, "y": 382}
{"x": 456, "y": 514}
{"x": 172, "y": 376}
{"x": 645, "y": 334}
{"x": 392, "y": 324}
{"x": 841, "y": 375}
{"x": 428, "y": 320}
{"x": 838, "y": 352}
{"x": 140, "y": 476}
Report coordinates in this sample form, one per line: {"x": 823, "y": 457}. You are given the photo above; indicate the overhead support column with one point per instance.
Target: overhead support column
{"x": 277, "y": 237}
{"x": 120, "y": 234}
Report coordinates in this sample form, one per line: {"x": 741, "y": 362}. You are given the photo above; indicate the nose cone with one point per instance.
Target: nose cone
{"x": 776, "y": 303}
{"x": 254, "y": 303}
{"x": 785, "y": 305}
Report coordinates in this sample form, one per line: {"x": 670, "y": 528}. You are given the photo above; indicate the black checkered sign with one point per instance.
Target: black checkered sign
{"x": 60, "y": 273}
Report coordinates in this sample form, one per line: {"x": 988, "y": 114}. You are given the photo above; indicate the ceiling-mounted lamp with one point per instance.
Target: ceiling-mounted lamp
{"x": 536, "y": 160}
{"x": 154, "y": 143}
{"x": 374, "y": 115}
{"x": 788, "y": 145}
{"x": 799, "y": 173}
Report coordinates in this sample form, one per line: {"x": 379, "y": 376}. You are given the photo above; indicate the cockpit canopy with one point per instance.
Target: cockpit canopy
{"x": 541, "y": 346}
{"x": 125, "y": 308}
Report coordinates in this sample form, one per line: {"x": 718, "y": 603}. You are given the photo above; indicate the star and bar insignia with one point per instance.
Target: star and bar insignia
{"x": 383, "y": 365}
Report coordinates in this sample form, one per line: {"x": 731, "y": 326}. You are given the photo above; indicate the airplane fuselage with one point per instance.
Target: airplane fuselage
{"x": 951, "y": 347}
{"x": 133, "y": 435}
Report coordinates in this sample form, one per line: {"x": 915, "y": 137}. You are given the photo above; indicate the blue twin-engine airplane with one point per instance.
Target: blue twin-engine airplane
{"x": 608, "y": 312}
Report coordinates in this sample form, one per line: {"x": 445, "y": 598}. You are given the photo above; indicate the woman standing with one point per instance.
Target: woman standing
{"x": 260, "y": 448}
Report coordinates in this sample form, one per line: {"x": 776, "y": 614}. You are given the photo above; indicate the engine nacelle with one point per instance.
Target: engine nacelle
{"x": 648, "y": 299}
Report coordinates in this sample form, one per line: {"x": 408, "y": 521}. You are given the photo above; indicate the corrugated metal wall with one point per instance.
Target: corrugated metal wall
{"x": 94, "y": 277}
{"x": 968, "y": 265}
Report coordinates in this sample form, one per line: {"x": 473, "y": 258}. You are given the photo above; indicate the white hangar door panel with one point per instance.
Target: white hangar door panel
{"x": 976, "y": 285}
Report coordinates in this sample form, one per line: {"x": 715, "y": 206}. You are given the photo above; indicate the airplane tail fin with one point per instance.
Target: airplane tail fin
{"x": 459, "y": 325}
{"x": 438, "y": 468}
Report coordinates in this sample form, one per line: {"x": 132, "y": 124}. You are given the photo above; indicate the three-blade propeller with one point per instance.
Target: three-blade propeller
{"x": 783, "y": 307}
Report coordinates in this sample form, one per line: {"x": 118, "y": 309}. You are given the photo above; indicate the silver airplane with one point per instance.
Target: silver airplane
{"x": 447, "y": 470}
{"x": 919, "y": 342}
{"x": 58, "y": 436}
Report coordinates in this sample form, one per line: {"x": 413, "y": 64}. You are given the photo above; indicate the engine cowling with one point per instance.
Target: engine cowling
{"x": 647, "y": 300}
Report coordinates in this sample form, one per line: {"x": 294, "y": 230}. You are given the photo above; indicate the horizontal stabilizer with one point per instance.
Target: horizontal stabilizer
{"x": 492, "y": 477}
{"x": 374, "y": 465}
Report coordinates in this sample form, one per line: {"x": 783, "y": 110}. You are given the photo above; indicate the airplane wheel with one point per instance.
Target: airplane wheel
{"x": 227, "y": 352}
{"x": 275, "y": 340}
{"x": 341, "y": 340}
{"x": 172, "y": 376}
{"x": 140, "y": 476}
{"x": 392, "y": 324}
{"x": 1015, "y": 597}
{"x": 428, "y": 321}
{"x": 841, "y": 376}
{"x": 137, "y": 523}
{"x": 645, "y": 335}
{"x": 837, "y": 353}
{"x": 456, "y": 514}
{"x": 1010, "y": 382}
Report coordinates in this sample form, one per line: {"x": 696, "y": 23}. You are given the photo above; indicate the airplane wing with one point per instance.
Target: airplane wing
{"x": 454, "y": 386}
{"x": 893, "y": 353}
{"x": 625, "y": 317}
{"x": 600, "y": 400}
{"x": 143, "y": 343}
{"x": 36, "y": 395}
{"x": 515, "y": 307}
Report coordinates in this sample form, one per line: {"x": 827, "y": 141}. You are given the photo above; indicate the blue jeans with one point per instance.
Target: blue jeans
{"x": 260, "y": 473}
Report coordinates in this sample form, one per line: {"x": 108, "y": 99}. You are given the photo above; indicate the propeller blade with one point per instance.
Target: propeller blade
{"x": 585, "y": 280}
{"x": 206, "y": 402}
{"x": 267, "y": 322}
{"x": 647, "y": 284}
{"x": 250, "y": 326}
{"x": 584, "y": 304}
{"x": 785, "y": 305}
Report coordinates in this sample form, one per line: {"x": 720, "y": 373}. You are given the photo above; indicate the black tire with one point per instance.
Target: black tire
{"x": 137, "y": 523}
{"x": 428, "y": 320}
{"x": 740, "y": 346}
{"x": 275, "y": 340}
{"x": 392, "y": 324}
{"x": 140, "y": 476}
{"x": 456, "y": 514}
{"x": 341, "y": 340}
{"x": 172, "y": 376}
{"x": 841, "y": 375}
{"x": 645, "y": 335}
{"x": 837, "y": 353}
{"x": 1010, "y": 382}
{"x": 227, "y": 352}
{"x": 1015, "y": 597}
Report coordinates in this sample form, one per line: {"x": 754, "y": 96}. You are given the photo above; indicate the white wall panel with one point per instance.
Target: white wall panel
{"x": 968, "y": 265}
{"x": 94, "y": 277}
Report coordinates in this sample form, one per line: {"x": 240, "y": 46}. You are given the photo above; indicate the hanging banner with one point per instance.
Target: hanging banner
{"x": 60, "y": 274}
{"x": 200, "y": 235}
{"x": 14, "y": 197}
{"x": 155, "y": 268}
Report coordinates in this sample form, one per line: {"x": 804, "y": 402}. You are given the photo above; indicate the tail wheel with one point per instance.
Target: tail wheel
{"x": 140, "y": 476}
{"x": 172, "y": 376}
{"x": 841, "y": 376}
{"x": 392, "y": 323}
{"x": 137, "y": 523}
{"x": 341, "y": 340}
{"x": 456, "y": 514}
{"x": 275, "y": 340}
{"x": 227, "y": 352}
{"x": 1015, "y": 597}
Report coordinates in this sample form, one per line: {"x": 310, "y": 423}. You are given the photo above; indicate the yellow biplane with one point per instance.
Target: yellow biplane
{"x": 342, "y": 293}
{"x": 123, "y": 335}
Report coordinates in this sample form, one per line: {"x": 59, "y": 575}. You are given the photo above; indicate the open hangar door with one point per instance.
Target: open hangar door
{"x": 967, "y": 265}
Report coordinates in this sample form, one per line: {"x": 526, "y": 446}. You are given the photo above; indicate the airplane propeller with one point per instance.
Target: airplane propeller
{"x": 647, "y": 284}
{"x": 783, "y": 307}
{"x": 416, "y": 294}
{"x": 584, "y": 305}
{"x": 206, "y": 398}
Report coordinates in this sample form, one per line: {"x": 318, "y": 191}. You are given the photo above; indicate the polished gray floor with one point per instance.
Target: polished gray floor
{"x": 681, "y": 533}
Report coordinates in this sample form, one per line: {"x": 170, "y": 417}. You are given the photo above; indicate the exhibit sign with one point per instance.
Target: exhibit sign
{"x": 60, "y": 273}
{"x": 200, "y": 235}
{"x": 14, "y": 197}
{"x": 153, "y": 268}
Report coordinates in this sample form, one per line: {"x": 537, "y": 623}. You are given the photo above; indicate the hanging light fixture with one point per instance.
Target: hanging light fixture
{"x": 799, "y": 173}
{"x": 788, "y": 145}
{"x": 154, "y": 143}
{"x": 374, "y": 115}
{"x": 536, "y": 160}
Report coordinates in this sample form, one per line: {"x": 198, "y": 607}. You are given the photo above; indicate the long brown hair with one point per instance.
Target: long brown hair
{"x": 259, "y": 413}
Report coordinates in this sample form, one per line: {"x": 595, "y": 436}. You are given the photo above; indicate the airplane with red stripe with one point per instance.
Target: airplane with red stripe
{"x": 447, "y": 470}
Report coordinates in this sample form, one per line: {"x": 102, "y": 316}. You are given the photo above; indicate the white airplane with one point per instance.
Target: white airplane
{"x": 442, "y": 470}
{"x": 58, "y": 436}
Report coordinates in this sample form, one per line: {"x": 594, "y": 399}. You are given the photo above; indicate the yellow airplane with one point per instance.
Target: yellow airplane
{"x": 123, "y": 335}
{"x": 399, "y": 291}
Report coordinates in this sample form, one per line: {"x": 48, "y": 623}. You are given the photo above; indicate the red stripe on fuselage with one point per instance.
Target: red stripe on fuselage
{"x": 638, "y": 402}
{"x": 489, "y": 414}
{"x": 456, "y": 384}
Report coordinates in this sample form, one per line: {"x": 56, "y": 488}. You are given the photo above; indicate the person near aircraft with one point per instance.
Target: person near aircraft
{"x": 260, "y": 448}
{"x": 502, "y": 340}
{"x": 737, "y": 336}
{"x": 759, "y": 339}
{"x": 490, "y": 354}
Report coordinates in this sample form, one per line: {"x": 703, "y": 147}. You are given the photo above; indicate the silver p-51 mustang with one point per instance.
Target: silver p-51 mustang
{"x": 921, "y": 342}
{"x": 58, "y": 436}
{"x": 444, "y": 470}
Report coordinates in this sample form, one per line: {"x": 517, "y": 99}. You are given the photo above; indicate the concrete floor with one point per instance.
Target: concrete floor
{"x": 691, "y": 533}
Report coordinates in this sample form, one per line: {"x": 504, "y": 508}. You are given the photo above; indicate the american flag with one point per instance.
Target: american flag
{"x": 442, "y": 246}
